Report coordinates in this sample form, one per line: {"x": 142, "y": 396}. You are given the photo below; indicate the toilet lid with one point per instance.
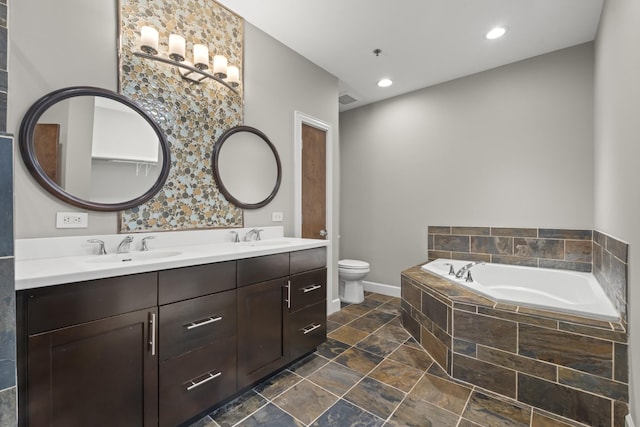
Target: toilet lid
{"x": 352, "y": 263}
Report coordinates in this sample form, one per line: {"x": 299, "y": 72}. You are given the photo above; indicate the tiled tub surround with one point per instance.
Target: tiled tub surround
{"x": 567, "y": 365}
{"x": 610, "y": 257}
{"x": 579, "y": 250}
{"x": 560, "y": 291}
{"x": 533, "y": 247}
{"x": 7, "y": 292}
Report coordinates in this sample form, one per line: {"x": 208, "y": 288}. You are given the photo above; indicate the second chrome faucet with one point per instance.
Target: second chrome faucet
{"x": 253, "y": 232}
{"x": 124, "y": 246}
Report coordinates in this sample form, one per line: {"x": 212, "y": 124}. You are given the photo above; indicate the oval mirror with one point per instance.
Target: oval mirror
{"x": 246, "y": 167}
{"x": 94, "y": 149}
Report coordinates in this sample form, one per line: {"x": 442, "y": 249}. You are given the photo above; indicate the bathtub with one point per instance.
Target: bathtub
{"x": 554, "y": 290}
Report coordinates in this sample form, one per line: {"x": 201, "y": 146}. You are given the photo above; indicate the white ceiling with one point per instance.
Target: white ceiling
{"x": 423, "y": 42}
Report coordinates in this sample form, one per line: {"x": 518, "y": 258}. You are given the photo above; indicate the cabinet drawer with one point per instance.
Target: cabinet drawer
{"x": 195, "y": 323}
{"x": 55, "y": 307}
{"x": 261, "y": 269}
{"x": 190, "y": 282}
{"x": 308, "y": 259}
{"x": 196, "y": 381}
{"x": 308, "y": 289}
{"x": 308, "y": 329}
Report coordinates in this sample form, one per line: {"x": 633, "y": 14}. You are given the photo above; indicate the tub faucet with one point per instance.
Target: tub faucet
{"x": 466, "y": 269}
{"x": 123, "y": 247}
{"x": 452, "y": 272}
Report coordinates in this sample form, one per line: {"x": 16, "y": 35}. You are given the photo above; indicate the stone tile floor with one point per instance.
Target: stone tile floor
{"x": 371, "y": 373}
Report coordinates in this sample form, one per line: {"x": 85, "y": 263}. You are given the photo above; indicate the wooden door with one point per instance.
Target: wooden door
{"x": 314, "y": 181}
{"x": 100, "y": 373}
{"x": 45, "y": 144}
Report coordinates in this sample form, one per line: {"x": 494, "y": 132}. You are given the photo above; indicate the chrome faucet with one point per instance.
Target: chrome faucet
{"x": 235, "y": 237}
{"x": 123, "y": 247}
{"x": 252, "y": 232}
{"x": 466, "y": 269}
{"x": 101, "y": 249}
{"x": 143, "y": 244}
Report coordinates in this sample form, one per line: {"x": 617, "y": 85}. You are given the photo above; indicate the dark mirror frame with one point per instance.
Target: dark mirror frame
{"x": 27, "y": 148}
{"x": 216, "y": 172}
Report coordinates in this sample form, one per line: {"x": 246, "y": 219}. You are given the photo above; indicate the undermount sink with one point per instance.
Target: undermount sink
{"x": 272, "y": 243}
{"x": 133, "y": 257}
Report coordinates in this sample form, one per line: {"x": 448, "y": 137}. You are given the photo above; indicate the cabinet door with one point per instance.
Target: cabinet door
{"x": 100, "y": 373}
{"x": 263, "y": 330}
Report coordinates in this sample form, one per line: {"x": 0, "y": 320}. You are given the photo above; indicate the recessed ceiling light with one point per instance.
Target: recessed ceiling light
{"x": 496, "y": 33}
{"x": 385, "y": 83}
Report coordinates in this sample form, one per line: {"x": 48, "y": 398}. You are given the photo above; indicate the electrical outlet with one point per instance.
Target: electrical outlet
{"x": 277, "y": 217}
{"x": 72, "y": 220}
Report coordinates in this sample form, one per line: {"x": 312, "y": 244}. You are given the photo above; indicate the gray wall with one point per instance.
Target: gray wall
{"x": 35, "y": 71}
{"x": 512, "y": 146}
{"x": 617, "y": 132}
{"x": 272, "y": 94}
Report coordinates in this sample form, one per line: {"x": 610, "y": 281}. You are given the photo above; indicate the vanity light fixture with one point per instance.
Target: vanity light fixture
{"x": 228, "y": 75}
{"x": 385, "y": 83}
{"x": 496, "y": 33}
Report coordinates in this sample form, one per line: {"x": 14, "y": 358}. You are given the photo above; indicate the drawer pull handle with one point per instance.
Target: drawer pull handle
{"x": 308, "y": 329}
{"x": 152, "y": 326}
{"x": 194, "y": 325}
{"x": 206, "y": 380}
{"x": 311, "y": 288}
{"x": 288, "y": 300}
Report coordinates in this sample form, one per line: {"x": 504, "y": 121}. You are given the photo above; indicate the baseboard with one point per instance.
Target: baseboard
{"x": 333, "y": 306}
{"x": 628, "y": 421}
{"x": 381, "y": 288}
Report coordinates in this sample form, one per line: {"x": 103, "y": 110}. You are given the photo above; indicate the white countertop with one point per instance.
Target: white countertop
{"x": 37, "y": 264}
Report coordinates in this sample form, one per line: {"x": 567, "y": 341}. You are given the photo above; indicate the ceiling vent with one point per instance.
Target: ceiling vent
{"x": 346, "y": 99}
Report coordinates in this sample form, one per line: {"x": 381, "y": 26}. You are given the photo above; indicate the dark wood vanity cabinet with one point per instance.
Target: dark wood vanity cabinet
{"x": 262, "y": 338}
{"x": 262, "y": 316}
{"x": 198, "y": 339}
{"x": 282, "y": 316}
{"x": 87, "y": 353}
{"x": 160, "y": 348}
{"x": 308, "y": 312}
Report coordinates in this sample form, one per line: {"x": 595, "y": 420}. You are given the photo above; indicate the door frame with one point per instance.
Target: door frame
{"x": 300, "y": 118}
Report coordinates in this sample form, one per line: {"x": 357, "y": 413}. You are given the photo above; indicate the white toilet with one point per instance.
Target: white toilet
{"x": 350, "y": 273}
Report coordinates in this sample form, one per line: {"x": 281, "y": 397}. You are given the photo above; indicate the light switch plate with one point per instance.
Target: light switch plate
{"x": 72, "y": 220}
{"x": 277, "y": 216}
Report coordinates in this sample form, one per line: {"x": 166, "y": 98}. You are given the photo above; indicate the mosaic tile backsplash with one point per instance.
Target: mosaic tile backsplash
{"x": 192, "y": 115}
